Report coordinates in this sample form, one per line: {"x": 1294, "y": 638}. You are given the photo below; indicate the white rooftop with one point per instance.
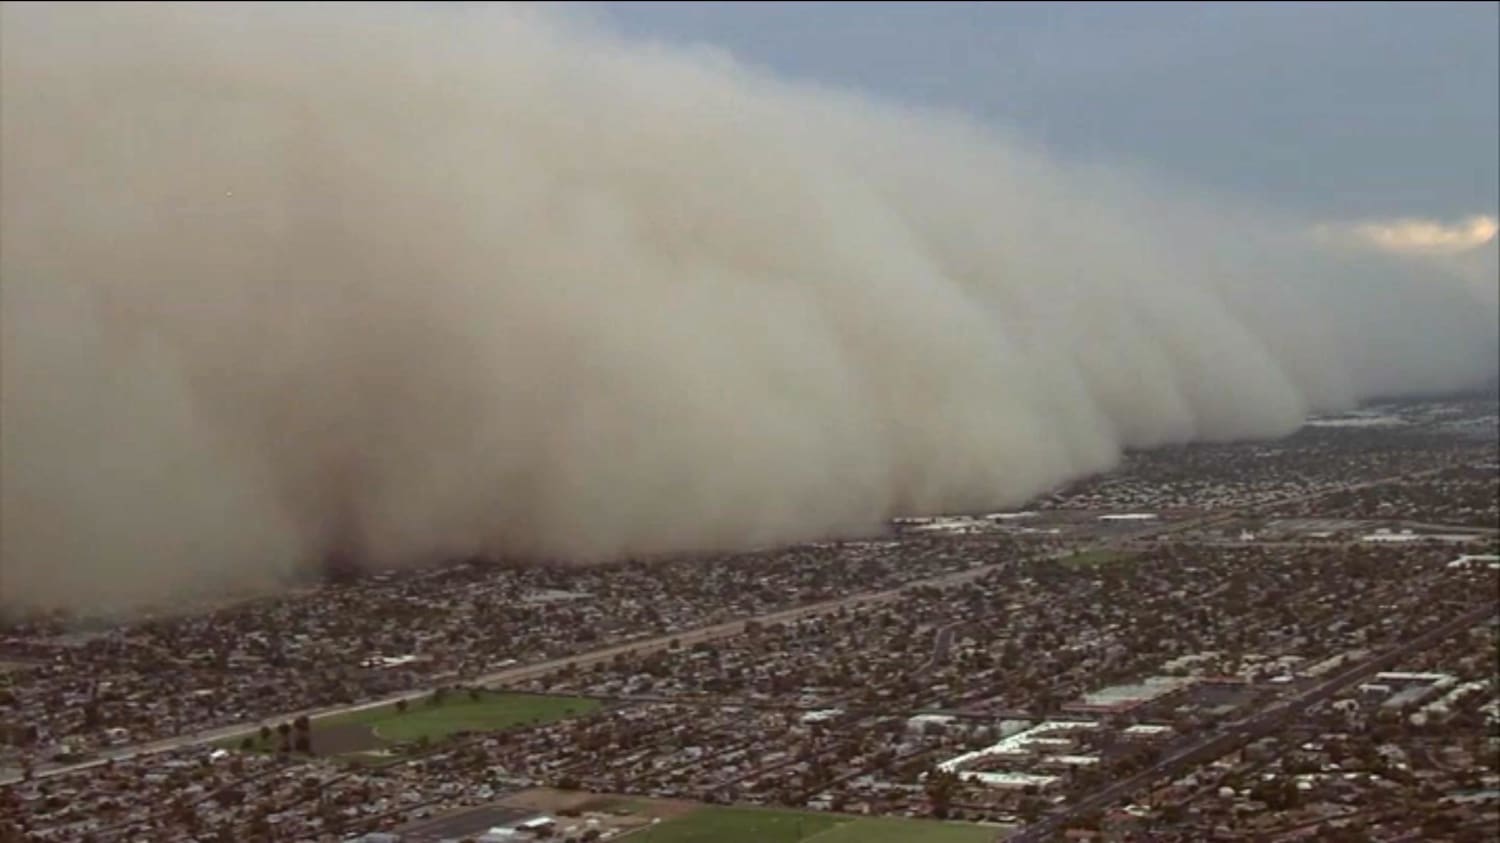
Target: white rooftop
{"x": 1074, "y": 760}
{"x": 993, "y": 779}
{"x": 1150, "y": 689}
{"x": 1400, "y": 676}
{"x": 821, "y": 715}
{"x": 931, "y": 718}
{"x": 1016, "y": 743}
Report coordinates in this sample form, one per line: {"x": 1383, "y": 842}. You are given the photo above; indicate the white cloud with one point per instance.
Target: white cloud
{"x": 1417, "y": 236}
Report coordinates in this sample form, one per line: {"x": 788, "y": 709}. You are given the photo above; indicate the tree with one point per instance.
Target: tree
{"x": 940, "y": 787}
{"x": 302, "y": 724}
{"x": 400, "y": 706}
{"x": 1030, "y": 809}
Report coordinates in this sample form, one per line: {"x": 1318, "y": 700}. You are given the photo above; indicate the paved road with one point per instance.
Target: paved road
{"x": 942, "y": 642}
{"x": 1477, "y": 530}
{"x": 522, "y": 673}
{"x": 1245, "y": 730}
{"x": 1297, "y": 543}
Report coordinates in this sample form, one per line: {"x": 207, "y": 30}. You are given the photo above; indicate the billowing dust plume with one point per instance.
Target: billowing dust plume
{"x": 423, "y": 282}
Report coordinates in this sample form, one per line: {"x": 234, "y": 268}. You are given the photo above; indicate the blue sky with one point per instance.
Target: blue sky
{"x": 1336, "y": 111}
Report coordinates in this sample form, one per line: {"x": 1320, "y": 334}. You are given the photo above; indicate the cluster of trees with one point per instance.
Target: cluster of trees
{"x": 293, "y": 736}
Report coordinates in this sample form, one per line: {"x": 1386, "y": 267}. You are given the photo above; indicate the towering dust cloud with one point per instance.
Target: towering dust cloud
{"x": 425, "y": 282}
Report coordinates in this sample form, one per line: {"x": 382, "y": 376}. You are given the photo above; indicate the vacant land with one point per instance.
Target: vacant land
{"x": 375, "y": 731}
{"x": 755, "y": 825}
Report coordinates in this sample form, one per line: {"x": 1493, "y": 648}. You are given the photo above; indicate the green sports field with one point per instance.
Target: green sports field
{"x": 756, "y": 825}
{"x": 892, "y": 830}
{"x": 459, "y": 713}
{"x": 369, "y": 735}
{"x": 1092, "y": 558}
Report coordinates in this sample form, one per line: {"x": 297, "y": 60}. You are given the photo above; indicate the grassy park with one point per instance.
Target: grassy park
{"x": 374, "y": 733}
{"x": 759, "y": 825}
{"x": 1095, "y": 558}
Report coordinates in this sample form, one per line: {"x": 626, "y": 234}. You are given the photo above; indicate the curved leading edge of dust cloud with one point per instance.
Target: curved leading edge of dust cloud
{"x": 434, "y": 282}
